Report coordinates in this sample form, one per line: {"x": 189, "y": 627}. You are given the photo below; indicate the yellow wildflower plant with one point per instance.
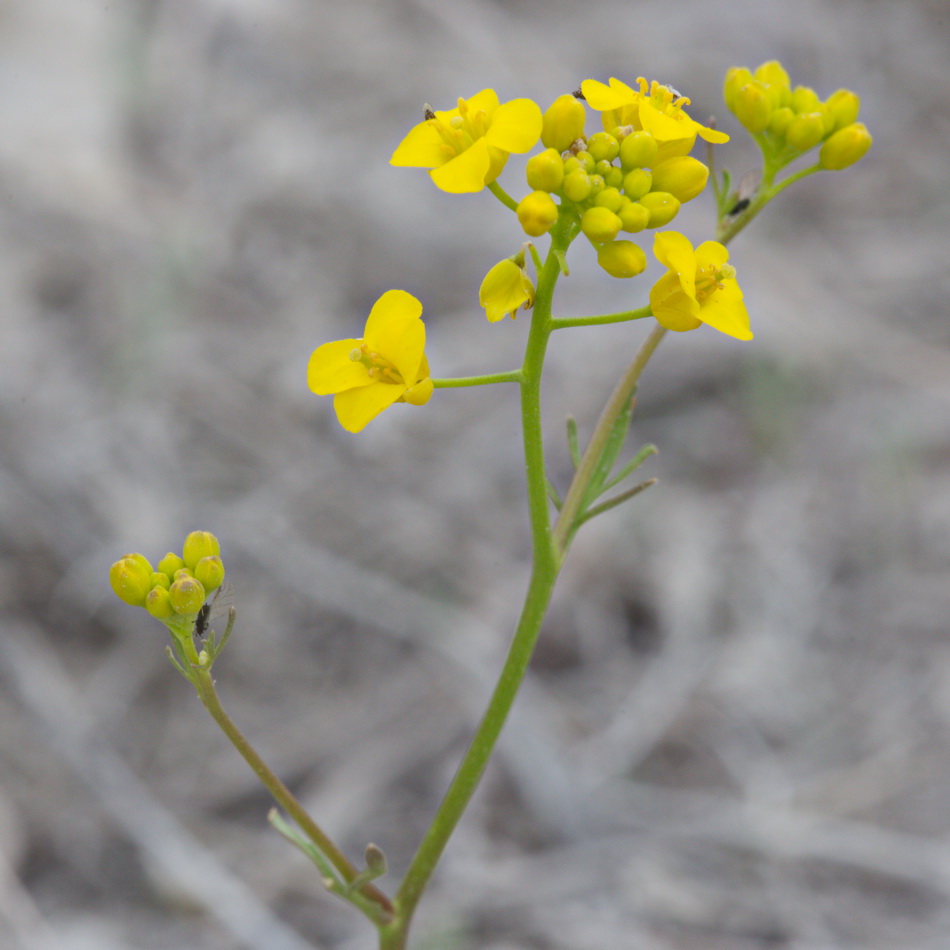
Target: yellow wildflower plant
{"x": 387, "y": 365}
{"x": 699, "y": 287}
{"x": 467, "y": 147}
{"x": 653, "y": 108}
{"x": 506, "y": 287}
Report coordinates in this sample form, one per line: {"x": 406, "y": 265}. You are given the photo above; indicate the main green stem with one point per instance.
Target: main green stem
{"x": 546, "y": 564}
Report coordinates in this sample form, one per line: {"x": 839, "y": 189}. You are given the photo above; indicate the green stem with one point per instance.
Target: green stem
{"x": 546, "y": 564}
{"x": 511, "y": 376}
{"x": 622, "y": 317}
{"x": 284, "y": 797}
{"x": 503, "y": 196}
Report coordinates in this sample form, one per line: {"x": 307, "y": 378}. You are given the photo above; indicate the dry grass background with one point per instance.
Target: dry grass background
{"x": 735, "y": 734}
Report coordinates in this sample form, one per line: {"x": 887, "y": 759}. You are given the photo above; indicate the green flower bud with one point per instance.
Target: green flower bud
{"x": 597, "y": 185}
{"x": 537, "y": 213}
{"x": 131, "y": 579}
{"x": 753, "y": 106}
{"x": 638, "y": 150}
{"x": 600, "y": 224}
{"x": 637, "y": 183}
{"x": 609, "y": 198}
{"x": 603, "y": 146}
{"x": 170, "y": 563}
{"x": 805, "y": 131}
{"x": 199, "y": 544}
{"x": 845, "y": 147}
{"x": 187, "y": 596}
{"x": 844, "y": 106}
{"x": 622, "y": 259}
{"x": 736, "y": 78}
{"x": 773, "y": 73}
{"x": 804, "y": 99}
{"x": 563, "y": 123}
{"x": 209, "y": 572}
{"x": 545, "y": 171}
{"x": 633, "y": 217}
{"x": 683, "y": 177}
{"x": 662, "y": 206}
{"x": 614, "y": 177}
{"x": 780, "y": 120}
{"x": 158, "y": 603}
{"x": 160, "y": 579}
{"x": 586, "y": 161}
{"x": 602, "y": 167}
{"x": 576, "y": 185}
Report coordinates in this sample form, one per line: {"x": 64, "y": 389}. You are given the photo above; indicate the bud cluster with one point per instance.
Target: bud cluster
{"x": 610, "y": 182}
{"x": 176, "y": 589}
{"x": 787, "y": 122}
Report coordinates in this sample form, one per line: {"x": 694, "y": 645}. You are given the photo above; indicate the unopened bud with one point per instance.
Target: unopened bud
{"x": 753, "y": 106}
{"x": 638, "y": 150}
{"x": 563, "y": 123}
{"x": 600, "y": 224}
{"x": 663, "y": 207}
{"x": 683, "y": 177}
{"x": 545, "y": 171}
{"x": 131, "y": 579}
{"x": 209, "y": 571}
{"x": 170, "y": 563}
{"x": 844, "y": 106}
{"x": 845, "y": 147}
{"x": 199, "y": 544}
{"x": 158, "y": 603}
{"x": 622, "y": 259}
{"x": 537, "y": 213}
{"x": 805, "y": 131}
{"x": 187, "y": 596}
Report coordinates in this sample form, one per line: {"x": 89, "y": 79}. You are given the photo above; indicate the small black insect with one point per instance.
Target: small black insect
{"x": 204, "y": 615}
{"x": 740, "y": 206}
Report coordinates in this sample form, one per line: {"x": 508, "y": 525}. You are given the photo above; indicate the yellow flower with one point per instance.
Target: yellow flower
{"x": 506, "y": 287}
{"x": 654, "y": 108}
{"x": 387, "y": 365}
{"x": 700, "y": 287}
{"x": 467, "y": 147}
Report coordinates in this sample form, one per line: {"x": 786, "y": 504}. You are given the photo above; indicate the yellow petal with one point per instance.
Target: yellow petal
{"x": 466, "y": 173}
{"x": 711, "y": 252}
{"x": 484, "y": 101}
{"x": 356, "y": 407}
{"x": 331, "y": 370}
{"x": 673, "y": 250}
{"x": 515, "y": 126}
{"x": 672, "y": 308}
{"x": 419, "y": 394}
{"x": 725, "y": 311}
{"x": 423, "y": 147}
{"x": 602, "y": 97}
{"x": 395, "y": 331}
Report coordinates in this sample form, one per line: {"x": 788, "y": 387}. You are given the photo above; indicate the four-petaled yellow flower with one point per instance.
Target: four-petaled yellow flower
{"x": 506, "y": 287}
{"x": 387, "y": 365}
{"x": 654, "y": 108}
{"x": 700, "y": 287}
{"x": 467, "y": 147}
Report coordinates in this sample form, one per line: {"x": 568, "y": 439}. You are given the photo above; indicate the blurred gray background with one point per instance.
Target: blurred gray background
{"x": 735, "y": 732}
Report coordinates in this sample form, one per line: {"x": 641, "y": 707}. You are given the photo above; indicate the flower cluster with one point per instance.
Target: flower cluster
{"x": 631, "y": 176}
{"x": 176, "y": 589}
{"x": 788, "y": 122}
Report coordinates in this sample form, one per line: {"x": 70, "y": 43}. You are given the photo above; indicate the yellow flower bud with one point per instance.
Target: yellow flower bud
{"x": 187, "y": 595}
{"x": 780, "y": 120}
{"x": 537, "y": 213}
{"x": 773, "y": 73}
{"x": 736, "y": 78}
{"x": 844, "y": 106}
{"x": 545, "y": 171}
{"x": 638, "y": 150}
{"x": 506, "y": 287}
{"x": 603, "y": 147}
{"x": 613, "y": 178}
{"x": 577, "y": 185}
{"x": 805, "y": 131}
{"x": 209, "y": 572}
{"x": 637, "y": 183}
{"x": 131, "y": 579}
{"x": 633, "y": 217}
{"x": 160, "y": 579}
{"x": 804, "y": 99}
{"x": 563, "y": 123}
{"x": 609, "y": 198}
{"x": 199, "y": 544}
{"x": 845, "y": 147}
{"x": 170, "y": 563}
{"x": 622, "y": 259}
{"x": 753, "y": 106}
{"x": 600, "y": 224}
{"x": 158, "y": 603}
{"x": 683, "y": 177}
{"x": 662, "y": 206}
